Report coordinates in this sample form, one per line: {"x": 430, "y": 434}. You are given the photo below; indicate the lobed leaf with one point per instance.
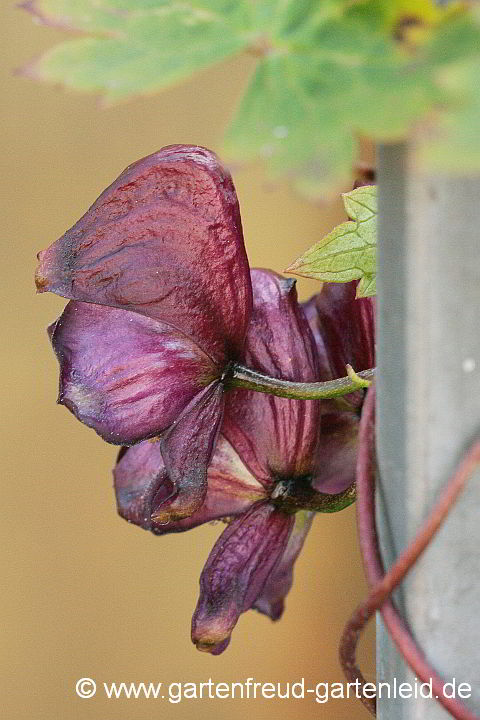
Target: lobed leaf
{"x": 136, "y": 47}
{"x": 348, "y": 252}
{"x": 326, "y": 72}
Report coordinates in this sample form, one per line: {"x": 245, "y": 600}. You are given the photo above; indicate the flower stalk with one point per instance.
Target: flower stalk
{"x": 243, "y": 377}
{"x": 294, "y": 495}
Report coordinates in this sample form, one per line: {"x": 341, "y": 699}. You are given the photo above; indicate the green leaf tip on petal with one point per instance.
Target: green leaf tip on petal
{"x": 348, "y": 251}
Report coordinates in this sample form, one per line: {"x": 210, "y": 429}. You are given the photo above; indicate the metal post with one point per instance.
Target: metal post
{"x": 428, "y": 413}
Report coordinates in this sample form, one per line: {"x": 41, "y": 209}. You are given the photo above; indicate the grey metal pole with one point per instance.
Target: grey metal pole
{"x": 428, "y": 412}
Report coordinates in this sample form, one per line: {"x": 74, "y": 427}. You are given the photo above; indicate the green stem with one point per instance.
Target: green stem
{"x": 244, "y": 377}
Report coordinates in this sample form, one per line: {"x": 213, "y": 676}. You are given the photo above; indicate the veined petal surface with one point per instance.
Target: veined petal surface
{"x": 236, "y": 572}
{"x": 187, "y": 448}
{"x": 124, "y": 374}
{"x": 164, "y": 240}
{"x": 275, "y": 437}
{"x": 271, "y": 601}
{"x": 142, "y": 485}
{"x": 343, "y": 327}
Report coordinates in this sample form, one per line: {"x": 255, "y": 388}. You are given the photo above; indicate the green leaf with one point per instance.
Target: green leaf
{"x": 326, "y": 72}
{"x": 348, "y": 252}
{"x": 105, "y": 16}
{"x": 138, "y": 47}
{"x": 454, "y": 145}
{"x": 280, "y": 121}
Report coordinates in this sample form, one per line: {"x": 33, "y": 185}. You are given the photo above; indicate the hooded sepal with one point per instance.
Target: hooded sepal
{"x": 139, "y": 476}
{"x": 336, "y": 455}
{"x": 164, "y": 240}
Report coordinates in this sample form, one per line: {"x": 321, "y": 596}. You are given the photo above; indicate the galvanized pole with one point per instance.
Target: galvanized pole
{"x": 428, "y": 412}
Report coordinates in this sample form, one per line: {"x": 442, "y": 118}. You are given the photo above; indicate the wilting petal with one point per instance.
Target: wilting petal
{"x": 123, "y": 374}
{"x": 272, "y": 599}
{"x": 139, "y": 474}
{"x": 218, "y": 650}
{"x": 236, "y": 572}
{"x": 337, "y": 452}
{"x": 231, "y": 490}
{"x": 275, "y": 436}
{"x": 164, "y": 240}
{"x": 141, "y": 485}
{"x": 343, "y": 327}
{"x": 187, "y": 448}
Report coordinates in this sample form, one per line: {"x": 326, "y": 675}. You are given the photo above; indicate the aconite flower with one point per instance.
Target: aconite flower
{"x": 344, "y": 330}
{"x": 161, "y": 298}
{"x": 276, "y": 463}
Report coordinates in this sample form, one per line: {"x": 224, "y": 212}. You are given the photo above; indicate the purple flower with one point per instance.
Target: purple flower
{"x": 161, "y": 299}
{"x": 344, "y": 330}
{"x": 274, "y": 460}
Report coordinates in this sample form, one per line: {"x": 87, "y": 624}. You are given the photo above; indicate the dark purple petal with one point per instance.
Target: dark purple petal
{"x": 231, "y": 491}
{"x": 343, "y": 327}
{"x": 141, "y": 485}
{"x": 219, "y": 649}
{"x": 187, "y": 448}
{"x": 236, "y": 572}
{"x": 123, "y": 374}
{"x": 336, "y": 453}
{"x": 275, "y": 437}
{"x": 271, "y": 601}
{"x": 164, "y": 240}
{"x": 139, "y": 474}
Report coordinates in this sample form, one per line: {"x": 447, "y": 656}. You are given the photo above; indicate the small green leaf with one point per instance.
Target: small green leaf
{"x": 348, "y": 252}
{"x": 367, "y": 287}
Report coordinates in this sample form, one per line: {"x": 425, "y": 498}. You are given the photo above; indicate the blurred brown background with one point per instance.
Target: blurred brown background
{"x": 84, "y": 593}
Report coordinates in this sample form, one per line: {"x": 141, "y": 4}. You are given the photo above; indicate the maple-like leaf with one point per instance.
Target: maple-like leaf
{"x": 131, "y": 47}
{"x": 326, "y": 71}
